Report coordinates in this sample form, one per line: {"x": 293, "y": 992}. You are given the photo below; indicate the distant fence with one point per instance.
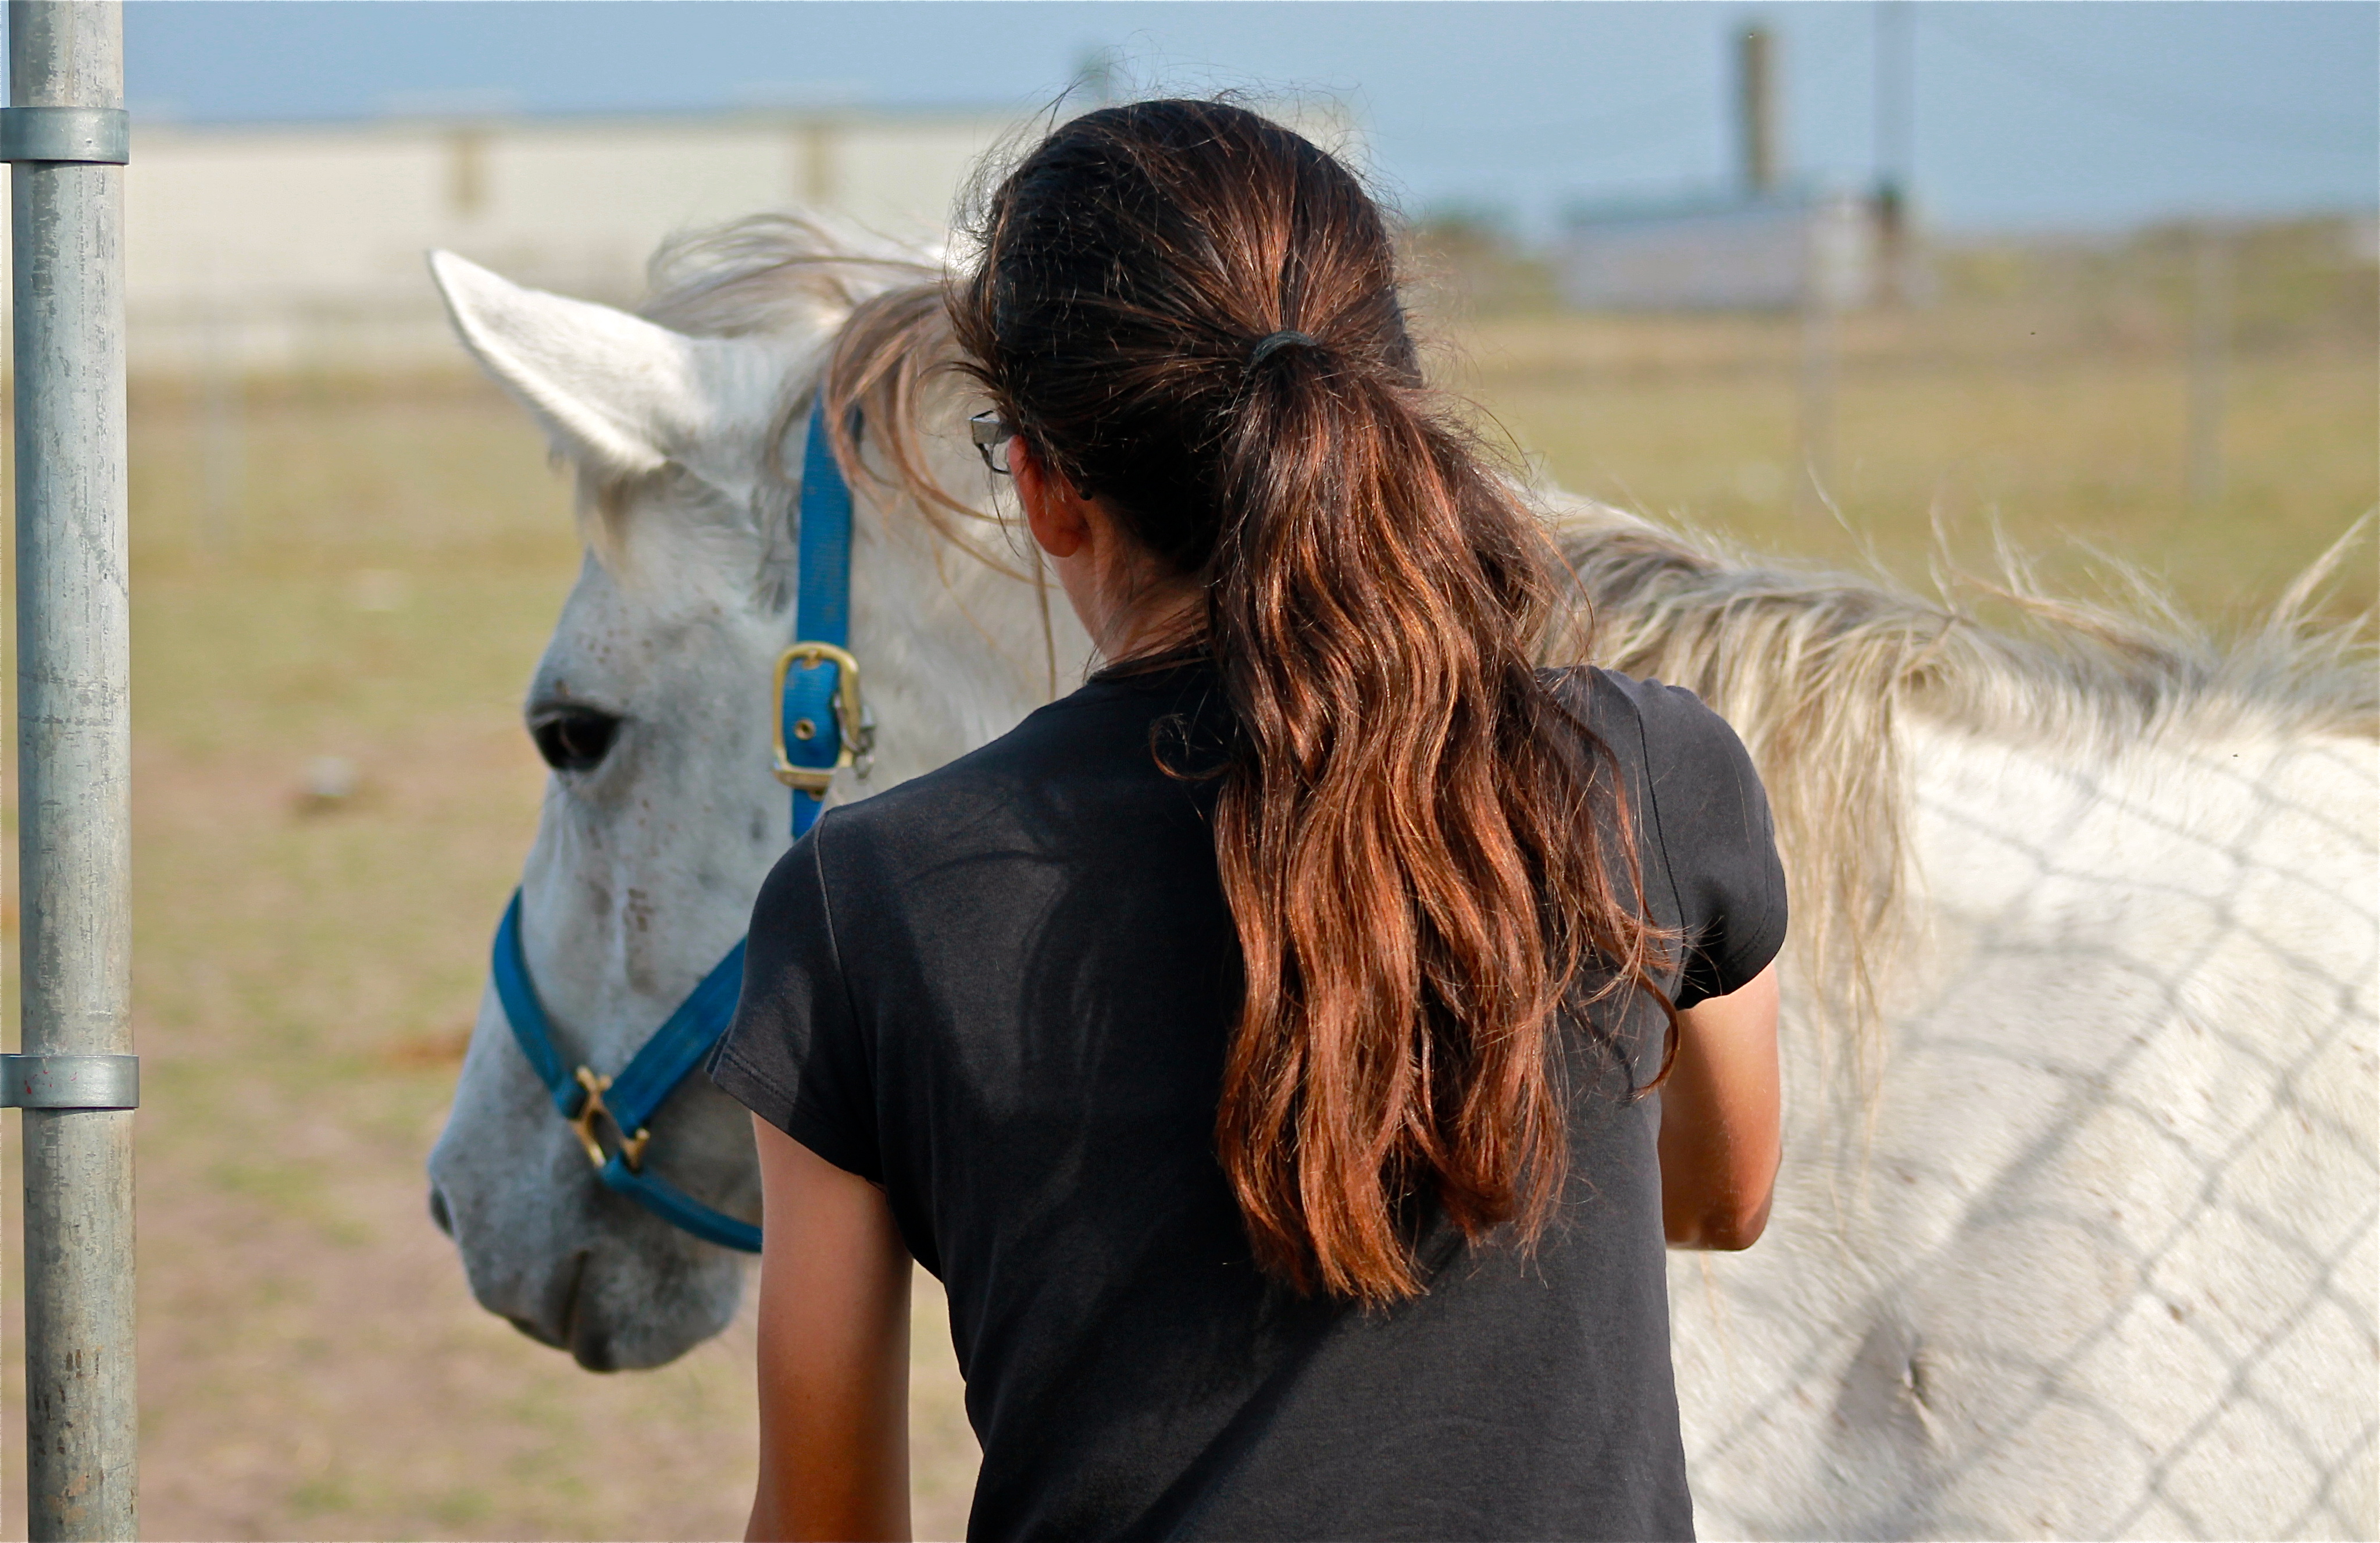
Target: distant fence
{"x": 336, "y": 337}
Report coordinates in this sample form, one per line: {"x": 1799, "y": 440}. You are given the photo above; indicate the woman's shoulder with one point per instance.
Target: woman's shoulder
{"x": 1688, "y": 773}
{"x": 1700, "y": 807}
{"x": 1661, "y": 721}
{"x": 1062, "y": 756}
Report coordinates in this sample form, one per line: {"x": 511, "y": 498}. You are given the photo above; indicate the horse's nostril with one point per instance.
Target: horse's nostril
{"x": 592, "y": 1350}
{"x": 438, "y": 1212}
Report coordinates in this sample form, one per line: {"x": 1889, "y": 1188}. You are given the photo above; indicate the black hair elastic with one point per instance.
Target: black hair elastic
{"x": 1278, "y": 341}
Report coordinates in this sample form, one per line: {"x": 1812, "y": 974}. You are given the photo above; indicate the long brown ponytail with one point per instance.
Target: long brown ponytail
{"x": 1407, "y": 830}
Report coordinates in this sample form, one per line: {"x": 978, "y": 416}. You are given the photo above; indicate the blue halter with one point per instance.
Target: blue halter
{"x": 820, "y": 726}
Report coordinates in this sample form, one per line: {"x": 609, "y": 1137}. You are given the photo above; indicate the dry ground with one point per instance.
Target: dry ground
{"x": 311, "y": 1364}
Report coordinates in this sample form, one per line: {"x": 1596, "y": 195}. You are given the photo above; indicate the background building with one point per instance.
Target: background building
{"x": 1767, "y": 244}
{"x": 300, "y": 246}
{"x": 1770, "y": 253}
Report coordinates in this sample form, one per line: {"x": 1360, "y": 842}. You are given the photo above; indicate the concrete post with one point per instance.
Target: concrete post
{"x": 1755, "y": 97}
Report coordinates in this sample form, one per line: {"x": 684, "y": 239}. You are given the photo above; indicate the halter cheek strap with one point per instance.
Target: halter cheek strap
{"x": 822, "y": 725}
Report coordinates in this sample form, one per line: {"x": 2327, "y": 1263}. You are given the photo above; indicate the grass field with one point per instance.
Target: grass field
{"x": 311, "y": 1364}
{"x": 2073, "y": 454}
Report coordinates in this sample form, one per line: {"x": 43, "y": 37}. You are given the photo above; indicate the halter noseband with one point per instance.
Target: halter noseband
{"x": 822, "y": 725}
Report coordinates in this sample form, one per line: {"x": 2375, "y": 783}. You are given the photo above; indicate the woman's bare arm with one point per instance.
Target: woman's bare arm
{"x": 1719, "y": 1144}
{"x": 833, "y": 1354}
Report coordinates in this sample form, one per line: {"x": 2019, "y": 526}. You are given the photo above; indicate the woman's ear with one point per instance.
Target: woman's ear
{"x": 1059, "y": 516}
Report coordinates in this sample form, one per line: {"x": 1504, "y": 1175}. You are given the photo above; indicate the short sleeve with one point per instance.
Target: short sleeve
{"x": 1710, "y": 816}
{"x": 794, "y": 1054}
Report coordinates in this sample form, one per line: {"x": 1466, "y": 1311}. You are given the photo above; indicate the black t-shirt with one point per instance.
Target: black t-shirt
{"x": 1001, "y": 992}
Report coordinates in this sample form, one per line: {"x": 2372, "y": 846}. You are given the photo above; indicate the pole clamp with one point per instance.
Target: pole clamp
{"x": 69, "y": 1081}
{"x": 101, "y": 136}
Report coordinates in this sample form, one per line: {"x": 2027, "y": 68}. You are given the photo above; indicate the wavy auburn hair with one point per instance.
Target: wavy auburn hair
{"x": 1407, "y": 824}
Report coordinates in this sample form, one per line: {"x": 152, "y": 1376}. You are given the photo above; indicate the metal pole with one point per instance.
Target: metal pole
{"x": 73, "y": 660}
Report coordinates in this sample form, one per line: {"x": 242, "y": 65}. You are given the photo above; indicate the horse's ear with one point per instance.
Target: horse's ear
{"x": 617, "y": 393}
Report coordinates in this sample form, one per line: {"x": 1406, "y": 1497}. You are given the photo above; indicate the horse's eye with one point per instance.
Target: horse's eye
{"x": 573, "y": 738}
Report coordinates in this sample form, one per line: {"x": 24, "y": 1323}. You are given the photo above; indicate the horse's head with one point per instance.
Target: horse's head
{"x": 652, "y": 705}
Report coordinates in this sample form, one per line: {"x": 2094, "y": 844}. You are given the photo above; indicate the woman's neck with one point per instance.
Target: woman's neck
{"x": 1165, "y": 619}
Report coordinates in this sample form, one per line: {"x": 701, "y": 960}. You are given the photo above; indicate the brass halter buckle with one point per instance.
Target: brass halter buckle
{"x": 590, "y": 1109}
{"x": 850, "y": 713}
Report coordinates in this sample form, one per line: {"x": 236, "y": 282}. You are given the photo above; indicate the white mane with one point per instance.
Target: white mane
{"x": 768, "y": 272}
{"x": 786, "y": 272}
{"x": 1814, "y": 670}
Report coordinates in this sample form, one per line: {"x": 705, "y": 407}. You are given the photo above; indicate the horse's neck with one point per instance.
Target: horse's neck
{"x": 2178, "y": 915}
{"x": 2252, "y": 826}
{"x": 953, "y": 652}
{"x": 2121, "y": 1118}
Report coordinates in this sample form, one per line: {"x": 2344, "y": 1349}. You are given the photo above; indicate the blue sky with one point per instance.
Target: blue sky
{"x": 2083, "y": 115}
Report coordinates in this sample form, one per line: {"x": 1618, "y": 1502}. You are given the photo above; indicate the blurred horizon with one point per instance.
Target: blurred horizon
{"x": 2004, "y": 119}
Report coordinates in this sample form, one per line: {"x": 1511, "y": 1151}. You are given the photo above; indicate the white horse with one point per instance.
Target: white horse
{"x": 2076, "y": 1231}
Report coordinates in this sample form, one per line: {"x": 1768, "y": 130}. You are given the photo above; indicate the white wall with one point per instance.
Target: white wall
{"x": 298, "y": 247}
{"x": 1771, "y": 255}
{"x": 301, "y": 246}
